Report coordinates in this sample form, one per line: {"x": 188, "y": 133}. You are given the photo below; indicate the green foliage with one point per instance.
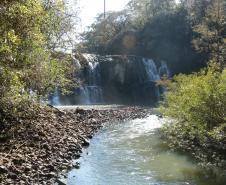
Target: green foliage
{"x": 59, "y": 26}
{"x": 157, "y": 26}
{"x": 134, "y": 16}
{"x": 190, "y": 33}
{"x": 29, "y": 33}
{"x": 197, "y": 102}
{"x": 142, "y": 11}
{"x": 168, "y": 37}
{"x": 197, "y": 105}
{"x": 211, "y": 31}
{"x": 101, "y": 32}
{"x": 199, "y": 98}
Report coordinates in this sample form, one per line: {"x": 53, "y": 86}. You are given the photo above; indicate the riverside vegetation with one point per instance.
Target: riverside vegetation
{"x": 30, "y": 66}
{"x": 197, "y": 102}
{"x": 33, "y": 33}
{"x": 30, "y": 69}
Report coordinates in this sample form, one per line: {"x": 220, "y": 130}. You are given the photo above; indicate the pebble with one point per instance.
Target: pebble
{"x": 45, "y": 146}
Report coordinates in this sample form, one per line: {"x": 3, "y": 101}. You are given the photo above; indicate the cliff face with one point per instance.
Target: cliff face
{"x": 117, "y": 79}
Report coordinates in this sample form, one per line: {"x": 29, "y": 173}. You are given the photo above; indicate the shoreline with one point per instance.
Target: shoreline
{"x": 42, "y": 148}
{"x": 208, "y": 152}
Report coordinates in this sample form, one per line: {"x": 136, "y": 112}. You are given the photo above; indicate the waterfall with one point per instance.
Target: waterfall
{"x": 153, "y": 75}
{"x": 95, "y": 94}
{"x": 151, "y": 70}
{"x": 92, "y": 90}
{"x": 164, "y": 73}
{"x": 115, "y": 79}
{"x": 77, "y": 63}
{"x": 119, "y": 72}
{"x": 163, "y": 70}
{"x": 56, "y": 98}
{"x": 84, "y": 96}
{"x": 94, "y": 74}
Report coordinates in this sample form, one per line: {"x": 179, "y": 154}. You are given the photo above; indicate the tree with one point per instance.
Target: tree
{"x": 196, "y": 9}
{"x": 103, "y": 30}
{"x": 212, "y": 32}
{"x": 142, "y": 11}
{"x": 152, "y": 27}
{"x": 60, "y": 27}
{"x": 27, "y": 63}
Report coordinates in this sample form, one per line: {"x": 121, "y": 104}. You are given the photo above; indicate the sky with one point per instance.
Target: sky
{"x": 90, "y": 8}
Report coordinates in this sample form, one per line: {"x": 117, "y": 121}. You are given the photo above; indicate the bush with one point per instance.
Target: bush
{"x": 198, "y": 99}
{"x": 197, "y": 104}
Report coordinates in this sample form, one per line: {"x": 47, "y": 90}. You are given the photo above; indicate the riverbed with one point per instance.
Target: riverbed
{"x": 132, "y": 153}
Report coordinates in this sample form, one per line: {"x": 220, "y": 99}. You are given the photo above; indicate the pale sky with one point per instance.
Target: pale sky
{"x": 90, "y": 8}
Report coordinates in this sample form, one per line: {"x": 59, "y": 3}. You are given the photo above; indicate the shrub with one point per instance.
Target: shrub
{"x": 198, "y": 99}
{"x": 197, "y": 104}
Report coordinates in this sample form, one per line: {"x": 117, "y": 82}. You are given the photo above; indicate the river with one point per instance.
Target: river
{"x": 132, "y": 153}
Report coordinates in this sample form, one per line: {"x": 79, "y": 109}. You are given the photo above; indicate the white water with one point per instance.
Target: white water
{"x": 151, "y": 69}
{"x": 90, "y": 57}
{"x": 163, "y": 70}
{"x": 56, "y": 98}
{"x": 93, "y": 91}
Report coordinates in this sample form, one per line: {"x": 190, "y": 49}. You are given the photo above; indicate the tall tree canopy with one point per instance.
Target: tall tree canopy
{"x": 211, "y": 31}
{"x": 30, "y": 30}
{"x": 190, "y": 33}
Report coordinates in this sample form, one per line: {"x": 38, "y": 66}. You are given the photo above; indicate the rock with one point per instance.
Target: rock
{"x": 90, "y": 136}
{"x": 85, "y": 142}
{"x": 45, "y": 146}
{"x": 50, "y": 167}
{"x": 22, "y": 182}
{"x": 76, "y": 165}
{"x": 50, "y": 175}
{"x": 76, "y": 155}
{"x": 12, "y": 175}
{"x": 3, "y": 169}
{"x": 18, "y": 161}
{"x": 79, "y": 111}
{"x": 61, "y": 182}
{"x": 44, "y": 142}
{"x": 159, "y": 115}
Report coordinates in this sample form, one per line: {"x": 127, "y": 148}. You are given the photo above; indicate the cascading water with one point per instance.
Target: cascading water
{"x": 56, "y": 98}
{"x": 163, "y": 70}
{"x": 77, "y": 63}
{"x": 151, "y": 70}
{"x": 152, "y": 73}
{"x": 164, "y": 73}
{"x": 92, "y": 88}
{"x": 116, "y": 79}
{"x": 84, "y": 96}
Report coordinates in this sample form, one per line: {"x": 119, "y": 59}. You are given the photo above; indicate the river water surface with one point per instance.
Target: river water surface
{"x": 131, "y": 153}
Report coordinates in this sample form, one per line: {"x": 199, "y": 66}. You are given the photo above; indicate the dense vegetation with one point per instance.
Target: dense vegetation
{"x": 197, "y": 102}
{"x": 31, "y": 31}
{"x": 162, "y": 30}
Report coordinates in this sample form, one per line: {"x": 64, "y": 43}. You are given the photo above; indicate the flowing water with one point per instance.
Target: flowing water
{"x": 132, "y": 153}
{"x": 115, "y": 79}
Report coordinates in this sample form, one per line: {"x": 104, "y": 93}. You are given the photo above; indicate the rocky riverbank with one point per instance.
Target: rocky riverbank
{"x": 40, "y": 149}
